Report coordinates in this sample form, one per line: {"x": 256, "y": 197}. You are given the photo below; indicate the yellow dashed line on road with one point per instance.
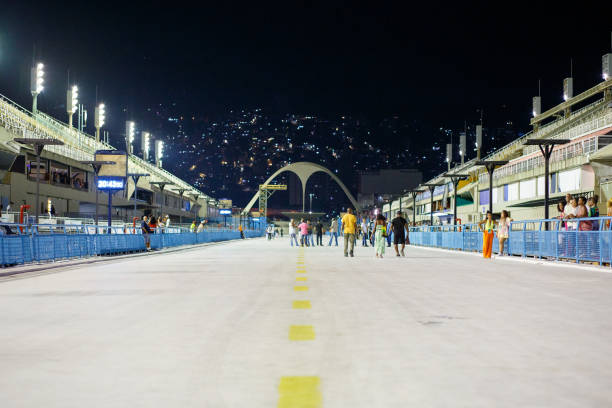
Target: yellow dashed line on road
{"x": 301, "y": 333}
{"x": 299, "y": 392}
{"x": 300, "y": 288}
{"x": 301, "y": 304}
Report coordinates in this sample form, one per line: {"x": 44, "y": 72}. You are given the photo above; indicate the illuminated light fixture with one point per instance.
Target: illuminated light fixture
{"x": 537, "y": 105}
{"x": 145, "y": 139}
{"x": 568, "y": 88}
{"x": 99, "y": 119}
{"x": 159, "y": 152}
{"x": 37, "y": 80}
{"x": 72, "y": 102}
{"x": 129, "y": 135}
{"x": 606, "y": 66}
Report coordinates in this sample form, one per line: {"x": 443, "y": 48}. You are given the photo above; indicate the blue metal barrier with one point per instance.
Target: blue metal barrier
{"x": 20, "y": 244}
{"x": 578, "y": 239}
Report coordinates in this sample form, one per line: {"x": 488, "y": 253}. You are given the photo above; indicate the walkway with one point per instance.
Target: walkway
{"x": 257, "y": 324}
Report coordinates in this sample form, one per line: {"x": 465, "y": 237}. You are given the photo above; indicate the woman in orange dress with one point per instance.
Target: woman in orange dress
{"x": 487, "y": 234}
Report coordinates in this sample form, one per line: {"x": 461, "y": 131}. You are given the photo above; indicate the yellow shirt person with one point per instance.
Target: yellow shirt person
{"x": 349, "y": 222}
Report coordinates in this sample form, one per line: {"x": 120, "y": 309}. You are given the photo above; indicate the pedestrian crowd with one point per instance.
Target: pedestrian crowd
{"x": 377, "y": 233}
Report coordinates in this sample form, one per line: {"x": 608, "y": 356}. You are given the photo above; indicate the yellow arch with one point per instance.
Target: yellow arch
{"x": 303, "y": 170}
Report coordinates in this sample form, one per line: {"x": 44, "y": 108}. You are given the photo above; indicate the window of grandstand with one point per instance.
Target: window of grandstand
{"x": 513, "y": 192}
{"x": 527, "y": 188}
{"x": 79, "y": 178}
{"x": 569, "y": 180}
{"x": 59, "y": 173}
{"x": 32, "y": 169}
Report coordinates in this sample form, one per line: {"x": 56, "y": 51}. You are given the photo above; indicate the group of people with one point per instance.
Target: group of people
{"x": 306, "y": 230}
{"x": 378, "y": 233}
{"x": 153, "y": 225}
{"x": 197, "y": 228}
{"x": 272, "y": 231}
{"x": 580, "y": 207}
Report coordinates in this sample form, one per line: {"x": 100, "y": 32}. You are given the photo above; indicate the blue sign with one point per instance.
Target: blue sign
{"x": 111, "y": 183}
{"x": 225, "y": 212}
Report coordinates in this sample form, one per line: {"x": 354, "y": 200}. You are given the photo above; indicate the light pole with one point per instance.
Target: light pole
{"x": 72, "y": 103}
{"x": 195, "y": 197}
{"x": 159, "y": 152}
{"x": 97, "y": 164}
{"x": 455, "y": 179}
{"x": 431, "y": 187}
{"x": 546, "y": 147}
{"x": 145, "y": 145}
{"x": 38, "y": 145}
{"x": 135, "y": 177}
{"x": 162, "y": 185}
{"x": 99, "y": 119}
{"x": 490, "y": 165}
{"x": 311, "y": 194}
{"x": 37, "y": 79}
{"x": 180, "y": 192}
{"x": 129, "y": 135}
{"x": 414, "y": 194}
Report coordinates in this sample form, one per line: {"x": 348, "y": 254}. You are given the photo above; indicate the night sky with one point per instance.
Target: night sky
{"x": 435, "y": 64}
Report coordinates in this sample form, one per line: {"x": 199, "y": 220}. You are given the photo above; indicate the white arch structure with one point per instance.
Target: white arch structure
{"x": 303, "y": 170}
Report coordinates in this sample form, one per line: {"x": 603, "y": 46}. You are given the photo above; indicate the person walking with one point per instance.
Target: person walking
{"x": 292, "y": 233}
{"x": 389, "y": 233}
{"x": 487, "y": 234}
{"x": 380, "y": 233}
{"x": 269, "y": 232}
{"x": 310, "y": 236}
{"x": 319, "y": 230}
{"x": 503, "y": 230}
{"x": 399, "y": 226}
{"x": 201, "y": 226}
{"x": 333, "y": 232}
{"x": 364, "y": 232}
{"x": 146, "y": 231}
{"x": 192, "y": 227}
{"x": 241, "y": 231}
{"x": 303, "y": 227}
{"x": 349, "y": 223}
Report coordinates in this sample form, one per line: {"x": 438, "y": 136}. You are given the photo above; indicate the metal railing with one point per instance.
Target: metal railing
{"x": 577, "y": 240}
{"x": 26, "y": 243}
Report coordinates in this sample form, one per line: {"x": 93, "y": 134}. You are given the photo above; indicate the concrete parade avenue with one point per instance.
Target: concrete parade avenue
{"x": 257, "y": 323}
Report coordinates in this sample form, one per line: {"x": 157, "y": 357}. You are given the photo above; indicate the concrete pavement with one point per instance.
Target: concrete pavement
{"x": 260, "y": 324}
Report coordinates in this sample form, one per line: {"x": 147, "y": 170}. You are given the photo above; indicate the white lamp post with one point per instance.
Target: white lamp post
{"x": 145, "y": 140}
{"x": 129, "y": 135}
{"x": 72, "y": 102}
{"x": 99, "y": 119}
{"x": 37, "y": 79}
{"x": 159, "y": 152}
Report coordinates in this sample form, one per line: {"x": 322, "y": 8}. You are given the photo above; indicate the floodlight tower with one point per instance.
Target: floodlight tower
{"x": 37, "y": 79}
{"x": 72, "y": 103}
{"x": 99, "y": 119}
{"x": 129, "y": 136}
{"x": 145, "y": 144}
{"x": 478, "y": 141}
{"x": 159, "y": 152}
{"x": 449, "y": 154}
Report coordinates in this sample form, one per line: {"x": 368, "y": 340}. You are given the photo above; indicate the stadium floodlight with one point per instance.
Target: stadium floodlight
{"x": 537, "y": 106}
{"x": 37, "y": 80}
{"x": 568, "y": 88}
{"x": 606, "y": 66}
{"x": 72, "y": 102}
{"x": 145, "y": 144}
{"x": 129, "y": 135}
{"x": 99, "y": 119}
{"x": 159, "y": 152}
